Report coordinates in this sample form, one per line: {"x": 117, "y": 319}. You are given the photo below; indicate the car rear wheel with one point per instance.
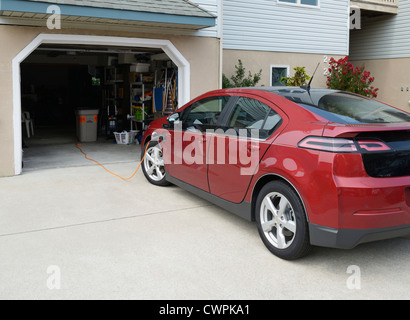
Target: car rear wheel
{"x": 281, "y": 221}
{"x": 153, "y": 164}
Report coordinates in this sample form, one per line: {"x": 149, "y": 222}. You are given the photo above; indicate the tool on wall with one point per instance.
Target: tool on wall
{"x": 165, "y": 93}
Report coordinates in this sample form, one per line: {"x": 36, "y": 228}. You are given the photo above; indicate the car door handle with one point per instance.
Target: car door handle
{"x": 254, "y": 147}
{"x": 203, "y": 139}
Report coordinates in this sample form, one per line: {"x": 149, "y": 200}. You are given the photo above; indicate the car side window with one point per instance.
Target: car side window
{"x": 253, "y": 114}
{"x": 204, "y": 113}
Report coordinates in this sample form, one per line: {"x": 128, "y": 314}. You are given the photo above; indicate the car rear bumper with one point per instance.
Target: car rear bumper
{"x": 349, "y": 238}
{"x": 370, "y": 203}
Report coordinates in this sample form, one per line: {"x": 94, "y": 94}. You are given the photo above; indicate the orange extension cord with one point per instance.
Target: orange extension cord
{"x": 78, "y": 146}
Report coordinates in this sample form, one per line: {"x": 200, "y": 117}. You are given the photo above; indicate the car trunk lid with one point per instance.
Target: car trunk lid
{"x": 385, "y": 148}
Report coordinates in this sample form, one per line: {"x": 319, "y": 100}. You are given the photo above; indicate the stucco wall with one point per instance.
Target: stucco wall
{"x": 255, "y": 60}
{"x": 202, "y": 53}
{"x": 390, "y": 76}
{"x": 13, "y": 41}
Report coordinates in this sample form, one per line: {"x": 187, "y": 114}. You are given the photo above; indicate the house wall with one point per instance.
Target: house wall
{"x": 382, "y": 46}
{"x": 254, "y": 61}
{"x": 262, "y": 25}
{"x": 263, "y": 33}
{"x": 391, "y": 77}
{"x": 214, "y": 7}
{"x": 382, "y": 36}
{"x": 202, "y": 53}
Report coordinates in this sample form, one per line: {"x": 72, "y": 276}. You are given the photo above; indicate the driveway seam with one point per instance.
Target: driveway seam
{"x": 100, "y": 221}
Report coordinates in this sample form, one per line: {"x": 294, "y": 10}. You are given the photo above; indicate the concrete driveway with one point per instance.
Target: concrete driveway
{"x": 80, "y": 233}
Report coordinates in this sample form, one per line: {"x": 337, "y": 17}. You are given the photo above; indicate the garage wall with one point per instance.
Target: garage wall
{"x": 14, "y": 40}
{"x": 201, "y": 52}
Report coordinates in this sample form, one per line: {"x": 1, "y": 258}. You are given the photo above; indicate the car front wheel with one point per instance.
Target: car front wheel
{"x": 153, "y": 164}
{"x": 281, "y": 221}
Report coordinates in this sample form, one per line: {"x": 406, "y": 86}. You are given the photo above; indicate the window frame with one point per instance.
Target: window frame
{"x": 299, "y": 4}
{"x": 287, "y": 67}
{"x": 231, "y": 110}
{"x": 220, "y": 120}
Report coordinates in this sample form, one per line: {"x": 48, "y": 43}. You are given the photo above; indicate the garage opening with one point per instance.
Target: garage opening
{"x": 102, "y": 97}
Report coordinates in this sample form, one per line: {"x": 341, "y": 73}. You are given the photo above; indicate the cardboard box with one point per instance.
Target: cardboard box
{"x": 140, "y": 67}
{"x": 135, "y": 77}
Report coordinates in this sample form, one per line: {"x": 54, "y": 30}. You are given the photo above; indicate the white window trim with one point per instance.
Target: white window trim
{"x": 278, "y": 66}
{"x": 298, "y": 4}
{"x": 184, "y": 71}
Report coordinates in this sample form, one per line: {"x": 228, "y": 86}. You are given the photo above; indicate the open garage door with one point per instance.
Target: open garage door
{"x": 101, "y": 95}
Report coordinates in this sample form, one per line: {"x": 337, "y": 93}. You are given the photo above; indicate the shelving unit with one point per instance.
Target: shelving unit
{"x": 139, "y": 89}
{"x": 126, "y": 88}
{"x": 113, "y": 92}
{"x": 113, "y": 82}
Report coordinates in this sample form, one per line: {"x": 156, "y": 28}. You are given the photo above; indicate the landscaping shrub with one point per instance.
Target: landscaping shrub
{"x": 344, "y": 76}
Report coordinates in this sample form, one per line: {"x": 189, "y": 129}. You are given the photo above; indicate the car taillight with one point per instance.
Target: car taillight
{"x": 373, "y": 146}
{"x": 343, "y": 145}
{"x": 339, "y": 145}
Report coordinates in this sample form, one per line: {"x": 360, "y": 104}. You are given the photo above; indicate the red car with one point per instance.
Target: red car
{"x": 312, "y": 167}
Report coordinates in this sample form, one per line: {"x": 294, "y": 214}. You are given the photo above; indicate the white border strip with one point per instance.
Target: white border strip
{"x": 287, "y": 67}
{"x": 184, "y": 71}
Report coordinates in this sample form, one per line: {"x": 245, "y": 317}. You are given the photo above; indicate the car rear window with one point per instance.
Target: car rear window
{"x": 344, "y": 107}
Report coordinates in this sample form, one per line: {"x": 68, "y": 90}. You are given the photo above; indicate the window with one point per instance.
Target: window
{"x": 251, "y": 114}
{"x": 204, "y": 112}
{"x": 312, "y": 3}
{"x": 277, "y": 73}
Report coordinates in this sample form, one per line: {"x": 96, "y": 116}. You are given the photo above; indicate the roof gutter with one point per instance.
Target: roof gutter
{"x": 36, "y": 7}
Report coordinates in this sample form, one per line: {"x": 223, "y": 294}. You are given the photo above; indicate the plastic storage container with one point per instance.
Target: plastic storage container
{"x": 87, "y": 124}
{"x": 126, "y": 137}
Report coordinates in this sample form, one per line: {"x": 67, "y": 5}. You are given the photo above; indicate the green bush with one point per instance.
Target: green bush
{"x": 238, "y": 80}
{"x": 299, "y": 79}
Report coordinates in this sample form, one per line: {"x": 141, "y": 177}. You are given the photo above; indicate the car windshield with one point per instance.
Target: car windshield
{"x": 344, "y": 107}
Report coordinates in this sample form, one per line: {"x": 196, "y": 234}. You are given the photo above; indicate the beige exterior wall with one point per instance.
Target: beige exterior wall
{"x": 13, "y": 41}
{"x": 255, "y": 60}
{"x": 390, "y": 76}
{"x": 201, "y": 52}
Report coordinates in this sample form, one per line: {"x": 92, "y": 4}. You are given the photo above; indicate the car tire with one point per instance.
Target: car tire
{"x": 281, "y": 221}
{"x": 153, "y": 164}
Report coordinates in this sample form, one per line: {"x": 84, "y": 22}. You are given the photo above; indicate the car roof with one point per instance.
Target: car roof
{"x": 296, "y": 90}
{"x": 298, "y": 95}
{"x": 301, "y": 95}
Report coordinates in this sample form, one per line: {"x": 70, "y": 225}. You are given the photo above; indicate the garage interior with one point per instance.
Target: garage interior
{"x": 124, "y": 89}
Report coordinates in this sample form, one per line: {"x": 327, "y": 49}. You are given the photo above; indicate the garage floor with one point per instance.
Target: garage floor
{"x": 56, "y": 148}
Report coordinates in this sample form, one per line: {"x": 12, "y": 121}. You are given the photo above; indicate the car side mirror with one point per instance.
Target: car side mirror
{"x": 172, "y": 120}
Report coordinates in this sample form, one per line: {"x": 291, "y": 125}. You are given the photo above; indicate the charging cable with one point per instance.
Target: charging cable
{"x": 78, "y": 146}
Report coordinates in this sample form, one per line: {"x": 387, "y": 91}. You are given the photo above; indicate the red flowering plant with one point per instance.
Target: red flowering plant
{"x": 344, "y": 76}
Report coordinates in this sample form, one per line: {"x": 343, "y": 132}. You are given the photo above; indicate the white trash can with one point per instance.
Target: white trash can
{"x": 87, "y": 124}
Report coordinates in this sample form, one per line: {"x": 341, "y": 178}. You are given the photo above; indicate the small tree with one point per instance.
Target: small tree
{"x": 238, "y": 79}
{"x": 344, "y": 76}
{"x": 299, "y": 79}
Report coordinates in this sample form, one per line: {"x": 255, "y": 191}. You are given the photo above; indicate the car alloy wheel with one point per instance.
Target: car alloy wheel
{"x": 278, "y": 220}
{"x": 281, "y": 221}
{"x": 153, "y": 165}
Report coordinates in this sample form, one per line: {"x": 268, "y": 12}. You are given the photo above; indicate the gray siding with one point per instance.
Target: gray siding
{"x": 215, "y": 8}
{"x": 383, "y": 37}
{"x": 268, "y": 26}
